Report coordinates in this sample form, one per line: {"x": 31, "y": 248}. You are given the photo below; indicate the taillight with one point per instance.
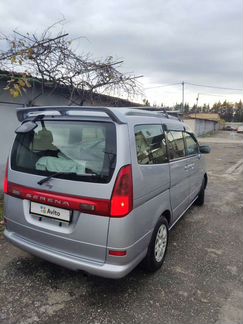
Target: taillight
{"x": 122, "y": 196}
{"x": 5, "y": 185}
{"x": 120, "y": 205}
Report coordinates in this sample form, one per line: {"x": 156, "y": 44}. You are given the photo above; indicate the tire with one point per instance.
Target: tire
{"x": 200, "y": 199}
{"x": 159, "y": 241}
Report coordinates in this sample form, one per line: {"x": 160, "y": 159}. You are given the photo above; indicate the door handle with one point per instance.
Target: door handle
{"x": 191, "y": 165}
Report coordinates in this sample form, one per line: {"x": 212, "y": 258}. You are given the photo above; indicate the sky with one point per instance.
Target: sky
{"x": 165, "y": 41}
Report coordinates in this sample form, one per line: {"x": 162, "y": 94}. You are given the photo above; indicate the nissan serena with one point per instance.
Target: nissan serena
{"x": 98, "y": 189}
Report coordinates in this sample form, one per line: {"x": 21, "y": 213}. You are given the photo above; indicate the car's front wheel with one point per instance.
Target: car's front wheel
{"x": 157, "y": 247}
{"x": 200, "y": 199}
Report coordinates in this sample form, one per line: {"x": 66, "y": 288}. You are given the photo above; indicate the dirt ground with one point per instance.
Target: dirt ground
{"x": 200, "y": 282}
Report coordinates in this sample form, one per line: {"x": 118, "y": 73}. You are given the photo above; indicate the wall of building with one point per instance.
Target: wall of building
{"x": 191, "y": 123}
{"x": 34, "y": 96}
{"x": 206, "y": 126}
{"x": 201, "y": 126}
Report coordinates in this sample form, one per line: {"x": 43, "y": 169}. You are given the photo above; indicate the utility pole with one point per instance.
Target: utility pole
{"x": 197, "y": 103}
{"x": 183, "y": 96}
{"x": 197, "y": 99}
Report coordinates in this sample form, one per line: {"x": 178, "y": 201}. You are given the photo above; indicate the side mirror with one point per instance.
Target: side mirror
{"x": 204, "y": 149}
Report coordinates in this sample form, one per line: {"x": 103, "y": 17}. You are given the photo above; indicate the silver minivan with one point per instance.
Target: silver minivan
{"x": 98, "y": 189}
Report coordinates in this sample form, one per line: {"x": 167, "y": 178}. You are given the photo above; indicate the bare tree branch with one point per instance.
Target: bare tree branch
{"x": 51, "y": 59}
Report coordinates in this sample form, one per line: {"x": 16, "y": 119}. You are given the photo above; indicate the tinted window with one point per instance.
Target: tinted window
{"x": 150, "y": 144}
{"x": 191, "y": 144}
{"x": 176, "y": 145}
{"x": 83, "y": 150}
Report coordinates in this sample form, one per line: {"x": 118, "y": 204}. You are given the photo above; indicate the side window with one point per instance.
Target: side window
{"x": 176, "y": 145}
{"x": 191, "y": 144}
{"x": 150, "y": 144}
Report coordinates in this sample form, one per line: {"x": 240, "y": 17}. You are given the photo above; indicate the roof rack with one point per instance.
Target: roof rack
{"x": 142, "y": 113}
{"x": 147, "y": 111}
{"x": 23, "y": 113}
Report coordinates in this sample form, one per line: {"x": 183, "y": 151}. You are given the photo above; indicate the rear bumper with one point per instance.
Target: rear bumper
{"x": 66, "y": 260}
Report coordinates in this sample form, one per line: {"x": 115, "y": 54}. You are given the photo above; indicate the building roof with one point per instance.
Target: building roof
{"x": 205, "y": 116}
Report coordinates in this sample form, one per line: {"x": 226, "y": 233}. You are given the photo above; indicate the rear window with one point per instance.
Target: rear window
{"x": 84, "y": 151}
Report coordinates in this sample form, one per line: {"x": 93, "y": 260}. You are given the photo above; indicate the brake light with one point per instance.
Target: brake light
{"x": 5, "y": 185}
{"x": 122, "y": 196}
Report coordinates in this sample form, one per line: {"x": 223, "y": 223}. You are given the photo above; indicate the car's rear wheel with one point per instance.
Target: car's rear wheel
{"x": 157, "y": 247}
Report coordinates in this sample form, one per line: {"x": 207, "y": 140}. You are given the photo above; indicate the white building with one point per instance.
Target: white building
{"x": 203, "y": 123}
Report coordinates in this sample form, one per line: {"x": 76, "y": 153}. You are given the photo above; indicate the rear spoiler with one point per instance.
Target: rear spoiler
{"x": 23, "y": 113}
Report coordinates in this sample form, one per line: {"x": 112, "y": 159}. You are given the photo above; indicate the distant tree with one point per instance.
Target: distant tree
{"x": 51, "y": 59}
{"x": 216, "y": 107}
{"x": 146, "y": 102}
{"x": 194, "y": 108}
{"x": 177, "y": 106}
{"x": 238, "y": 112}
{"x": 186, "y": 108}
{"x": 226, "y": 110}
{"x": 205, "y": 108}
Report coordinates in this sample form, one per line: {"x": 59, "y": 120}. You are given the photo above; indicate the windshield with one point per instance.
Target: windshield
{"x": 80, "y": 150}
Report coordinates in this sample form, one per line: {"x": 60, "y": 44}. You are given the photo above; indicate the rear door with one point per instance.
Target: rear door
{"x": 84, "y": 152}
{"x": 150, "y": 173}
{"x": 179, "y": 174}
{"x": 195, "y": 170}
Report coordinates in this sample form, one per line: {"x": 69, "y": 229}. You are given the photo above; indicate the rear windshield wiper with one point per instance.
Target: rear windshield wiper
{"x": 53, "y": 175}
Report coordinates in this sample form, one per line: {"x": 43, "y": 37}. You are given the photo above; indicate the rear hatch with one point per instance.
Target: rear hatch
{"x": 57, "y": 169}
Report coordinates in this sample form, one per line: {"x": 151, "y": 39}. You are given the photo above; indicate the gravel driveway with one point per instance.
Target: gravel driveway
{"x": 201, "y": 281}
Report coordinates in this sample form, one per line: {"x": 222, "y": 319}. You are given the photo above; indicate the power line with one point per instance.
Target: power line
{"x": 194, "y": 84}
{"x": 163, "y": 85}
{"x": 214, "y": 87}
{"x": 213, "y": 94}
